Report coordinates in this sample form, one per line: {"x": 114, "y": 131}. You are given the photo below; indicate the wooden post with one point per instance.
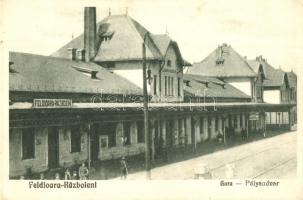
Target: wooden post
{"x": 289, "y": 120}
{"x": 265, "y": 123}
{"x": 247, "y": 127}
{"x": 193, "y": 133}
{"x": 88, "y": 148}
{"x": 146, "y": 121}
{"x": 224, "y": 138}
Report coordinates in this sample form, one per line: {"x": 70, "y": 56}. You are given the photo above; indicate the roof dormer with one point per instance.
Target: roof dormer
{"x": 89, "y": 72}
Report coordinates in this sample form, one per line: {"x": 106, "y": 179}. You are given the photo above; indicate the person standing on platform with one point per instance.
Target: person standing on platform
{"x": 123, "y": 168}
{"x": 67, "y": 175}
{"x": 83, "y": 172}
{"x": 243, "y": 134}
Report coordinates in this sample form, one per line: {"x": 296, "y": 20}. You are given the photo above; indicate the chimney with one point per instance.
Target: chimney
{"x": 72, "y": 53}
{"x": 81, "y": 54}
{"x": 89, "y": 32}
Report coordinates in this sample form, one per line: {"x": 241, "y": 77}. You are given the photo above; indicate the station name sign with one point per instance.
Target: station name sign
{"x": 53, "y": 103}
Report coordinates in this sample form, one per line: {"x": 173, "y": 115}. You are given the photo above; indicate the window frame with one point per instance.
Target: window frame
{"x": 168, "y": 86}
{"x": 155, "y": 84}
{"x": 33, "y": 132}
{"x": 172, "y": 86}
{"x": 101, "y": 137}
{"x": 179, "y": 86}
{"x": 79, "y": 149}
{"x": 168, "y": 63}
{"x": 165, "y": 85}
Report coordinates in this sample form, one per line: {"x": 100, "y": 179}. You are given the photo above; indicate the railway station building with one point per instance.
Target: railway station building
{"x": 84, "y": 102}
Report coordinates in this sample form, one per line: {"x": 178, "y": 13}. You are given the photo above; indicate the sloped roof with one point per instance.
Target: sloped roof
{"x": 162, "y": 41}
{"x": 127, "y": 36}
{"x": 255, "y": 65}
{"x": 126, "y": 41}
{"x": 292, "y": 78}
{"x": 274, "y": 77}
{"x": 213, "y": 88}
{"x": 202, "y": 78}
{"x": 233, "y": 65}
{"x": 48, "y": 74}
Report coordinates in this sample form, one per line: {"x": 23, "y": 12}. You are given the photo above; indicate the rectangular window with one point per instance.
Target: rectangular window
{"x": 103, "y": 141}
{"x": 140, "y": 131}
{"x": 168, "y": 63}
{"x": 109, "y": 129}
{"x": 168, "y": 86}
{"x": 165, "y": 86}
{"x": 127, "y": 130}
{"x": 155, "y": 84}
{"x": 179, "y": 89}
{"x": 172, "y": 86}
{"x": 28, "y": 143}
{"x": 75, "y": 139}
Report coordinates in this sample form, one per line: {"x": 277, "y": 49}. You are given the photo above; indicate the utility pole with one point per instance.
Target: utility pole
{"x": 146, "y": 121}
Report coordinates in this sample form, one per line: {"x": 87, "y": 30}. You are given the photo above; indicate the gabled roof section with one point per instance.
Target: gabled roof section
{"x": 38, "y": 73}
{"x": 257, "y": 67}
{"x": 274, "y": 77}
{"x": 163, "y": 42}
{"x": 292, "y": 78}
{"x": 125, "y": 42}
{"x": 223, "y": 62}
{"x": 213, "y": 88}
{"x": 125, "y": 38}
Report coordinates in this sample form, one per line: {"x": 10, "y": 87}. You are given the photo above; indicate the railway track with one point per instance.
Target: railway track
{"x": 273, "y": 168}
{"x": 249, "y": 156}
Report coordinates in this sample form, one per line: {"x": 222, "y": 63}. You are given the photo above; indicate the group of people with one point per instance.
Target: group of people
{"x": 82, "y": 174}
{"x": 230, "y": 132}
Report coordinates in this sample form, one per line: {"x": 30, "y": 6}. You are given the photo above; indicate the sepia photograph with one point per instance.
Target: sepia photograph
{"x": 152, "y": 90}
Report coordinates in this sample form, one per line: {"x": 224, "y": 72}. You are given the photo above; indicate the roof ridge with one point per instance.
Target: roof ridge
{"x": 245, "y": 61}
{"x": 158, "y": 49}
{"x": 132, "y": 21}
